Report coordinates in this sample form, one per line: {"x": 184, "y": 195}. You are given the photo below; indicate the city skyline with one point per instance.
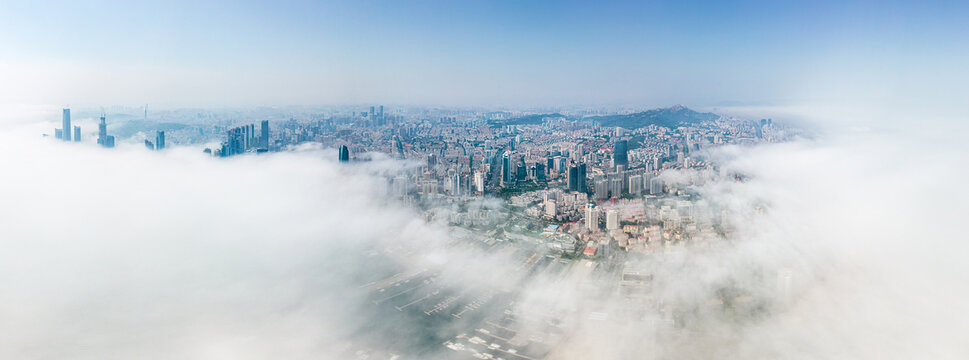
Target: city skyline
{"x": 754, "y": 230}
{"x": 483, "y": 180}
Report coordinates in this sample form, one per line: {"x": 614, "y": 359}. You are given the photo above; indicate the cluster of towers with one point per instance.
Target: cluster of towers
{"x": 159, "y": 143}
{"x": 376, "y": 116}
{"x": 516, "y": 171}
{"x": 577, "y": 178}
{"x": 65, "y": 132}
{"x": 766, "y": 129}
{"x": 243, "y": 138}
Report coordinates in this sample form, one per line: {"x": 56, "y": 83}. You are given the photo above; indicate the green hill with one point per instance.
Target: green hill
{"x": 535, "y": 119}
{"x": 667, "y": 117}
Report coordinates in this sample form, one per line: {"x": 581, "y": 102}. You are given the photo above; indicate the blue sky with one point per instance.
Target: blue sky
{"x": 475, "y": 52}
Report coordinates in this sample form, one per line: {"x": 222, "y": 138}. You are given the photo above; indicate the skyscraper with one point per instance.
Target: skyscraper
{"x": 636, "y": 184}
{"x": 245, "y": 137}
{"x": 264, "y": 134}
{"x": 398, "y": 147}
{"x": 521, "y": 172}
{"x": 102, "y": 131}
{"x": 66, "y": 125}
{"x": 573, "y": 178}
{"x": 344, "y": 153}
{"x": 601, "y": 188}
{"x": 591, "y": 218}
{"x": 577, "y": 181}
{"x": 655, "y": 186}
{"x": 77, "y": 134}
{"x": 506, "y": 168}
{"x": 479, "y": 182}
{"x": 104, "y": 139}
{"x": 612, "y": 220}
{"x": 252, "y": 136}
{"x": 454, "y": 182}
{"x": 619, "y": 156}
{"x": 582, "y": 179}
{"x": 615, "y": 185}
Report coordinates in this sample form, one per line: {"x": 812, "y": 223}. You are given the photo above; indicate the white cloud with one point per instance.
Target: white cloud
{"x": 128, "y": 253}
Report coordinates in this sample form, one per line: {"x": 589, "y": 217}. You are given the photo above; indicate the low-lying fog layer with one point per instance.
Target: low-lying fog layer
{"x": 851, "y": 244}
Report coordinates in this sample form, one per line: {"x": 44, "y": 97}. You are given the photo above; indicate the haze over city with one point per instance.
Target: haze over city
{"x": 483, "y": 180}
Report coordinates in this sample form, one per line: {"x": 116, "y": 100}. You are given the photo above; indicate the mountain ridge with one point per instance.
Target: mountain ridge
{"x": 670, "y": 117}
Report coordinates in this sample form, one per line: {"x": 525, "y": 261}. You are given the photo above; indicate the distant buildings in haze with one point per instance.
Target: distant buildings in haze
{"x": 64, "y": 133}
{"x": 242, "y": 139}
{"x": 104, "y": 139}
{"x": 159, "y": 143}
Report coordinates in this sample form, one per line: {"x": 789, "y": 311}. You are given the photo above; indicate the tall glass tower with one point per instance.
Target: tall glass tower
{"x": 66, "y": 125}
{"x": 619, "y": 156}
{"x": 344, "y": 153}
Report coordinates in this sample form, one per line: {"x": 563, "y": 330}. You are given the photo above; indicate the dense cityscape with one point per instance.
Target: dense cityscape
{"x": 596, "y": 198}
{"x": 494, "y": 180}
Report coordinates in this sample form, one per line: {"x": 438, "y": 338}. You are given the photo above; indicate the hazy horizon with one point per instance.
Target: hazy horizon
{"x": 226, "y": 54}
